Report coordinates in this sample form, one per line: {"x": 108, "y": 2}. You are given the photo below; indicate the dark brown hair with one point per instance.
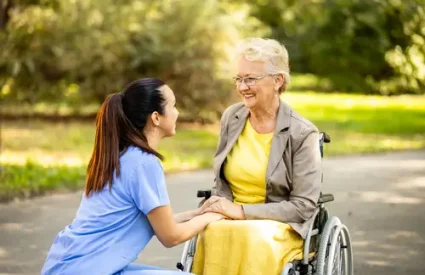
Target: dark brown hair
{"x": 119, "y": 124}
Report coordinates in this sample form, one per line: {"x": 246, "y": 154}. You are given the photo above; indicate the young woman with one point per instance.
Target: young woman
{"x": 125, "y": 200}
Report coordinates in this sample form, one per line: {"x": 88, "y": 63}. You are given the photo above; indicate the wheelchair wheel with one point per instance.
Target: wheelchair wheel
{"x": 188, "y": 255}
{"x": 288, "y": 269}
{"x": 335, "y": 253}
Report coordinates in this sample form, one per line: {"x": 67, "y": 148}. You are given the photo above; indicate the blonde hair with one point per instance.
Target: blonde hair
{"x": 271, "y": 52}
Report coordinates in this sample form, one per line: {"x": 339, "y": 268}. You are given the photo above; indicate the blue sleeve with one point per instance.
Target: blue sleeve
{"x": 148, "y": 189}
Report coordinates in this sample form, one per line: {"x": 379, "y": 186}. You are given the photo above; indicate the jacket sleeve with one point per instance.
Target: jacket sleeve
{"x": 306, "y": 184}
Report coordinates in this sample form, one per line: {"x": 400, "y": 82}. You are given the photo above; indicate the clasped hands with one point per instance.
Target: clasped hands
{"x": 222, "y": 206}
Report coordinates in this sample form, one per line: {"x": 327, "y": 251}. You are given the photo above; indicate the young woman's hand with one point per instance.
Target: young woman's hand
{"x": 187, "y": 215}
{"x": 214, "y": 216}
{"x": 170, "y": 232}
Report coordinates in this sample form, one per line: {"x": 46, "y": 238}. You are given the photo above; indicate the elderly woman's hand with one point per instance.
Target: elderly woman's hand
{"x": 223, "y": 206}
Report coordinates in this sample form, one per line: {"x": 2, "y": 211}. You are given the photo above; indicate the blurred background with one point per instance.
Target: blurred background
{"x": 358, "y": 70}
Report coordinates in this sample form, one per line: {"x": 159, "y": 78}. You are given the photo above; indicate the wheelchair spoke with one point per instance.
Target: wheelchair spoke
{"x": 337, "y": 261}
{"x": 334, "y": 255}
{"x": 341, "y": 261}
{"x": 336, "y": 266}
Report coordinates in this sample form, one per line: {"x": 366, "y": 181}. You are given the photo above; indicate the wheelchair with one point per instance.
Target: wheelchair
{"x": 327, "y": 248}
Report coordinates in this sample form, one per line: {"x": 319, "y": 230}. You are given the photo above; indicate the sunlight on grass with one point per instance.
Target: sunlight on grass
{"x": 71, "y": 144}
{"x": 31, "y": 178}
{"x": 362, "y": 124}
{"x": 39, "y": 156}
{"x": 49, "y": 109}
{"x": 189, "y": 149}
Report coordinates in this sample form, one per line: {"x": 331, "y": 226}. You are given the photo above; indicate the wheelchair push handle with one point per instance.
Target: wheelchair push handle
{"x": 204, "y": 194}
{"x": 324, "y": 138}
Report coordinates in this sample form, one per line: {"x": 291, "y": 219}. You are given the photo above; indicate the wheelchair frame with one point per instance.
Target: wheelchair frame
{"x": 328, "y": 239}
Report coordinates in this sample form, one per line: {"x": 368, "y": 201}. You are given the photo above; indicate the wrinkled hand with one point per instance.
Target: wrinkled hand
{"x": 223, "y": 206}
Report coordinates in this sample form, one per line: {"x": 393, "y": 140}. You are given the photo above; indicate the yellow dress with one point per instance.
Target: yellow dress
{"x": 248, "y": 247}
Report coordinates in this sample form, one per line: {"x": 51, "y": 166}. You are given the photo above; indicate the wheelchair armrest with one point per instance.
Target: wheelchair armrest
{"x": 325, "y": 198}
{"x": 204, "y": 194}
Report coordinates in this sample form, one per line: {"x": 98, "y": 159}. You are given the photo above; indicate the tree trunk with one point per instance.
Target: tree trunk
{"x": 5, "y": 6}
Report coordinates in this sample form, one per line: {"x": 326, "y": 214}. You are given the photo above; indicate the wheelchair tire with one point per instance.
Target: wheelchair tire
{"x": 335, "y": 252}
{"x": 324, "y": 243}
{"x": 288, "y": 269}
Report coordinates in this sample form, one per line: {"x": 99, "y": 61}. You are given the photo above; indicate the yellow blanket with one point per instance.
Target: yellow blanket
{"x": 249, "y": 247}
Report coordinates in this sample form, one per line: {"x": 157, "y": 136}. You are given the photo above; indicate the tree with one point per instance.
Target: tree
{"x": 368, "y": 46}
{"x": 80, "y": 51}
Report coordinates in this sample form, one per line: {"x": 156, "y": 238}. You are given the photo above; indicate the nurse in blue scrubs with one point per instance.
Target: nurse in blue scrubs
{"x": 125, "y": 200}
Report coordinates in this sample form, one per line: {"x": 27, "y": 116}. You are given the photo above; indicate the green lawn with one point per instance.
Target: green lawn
{"x": 364, "y": 124}
{"x": 37, "y": 156}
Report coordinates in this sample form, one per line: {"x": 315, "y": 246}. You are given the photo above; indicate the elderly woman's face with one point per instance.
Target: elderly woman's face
{"x": 255, "y": 90}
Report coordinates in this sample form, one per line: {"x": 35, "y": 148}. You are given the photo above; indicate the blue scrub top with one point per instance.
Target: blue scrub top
{"x": 111, "y": 228}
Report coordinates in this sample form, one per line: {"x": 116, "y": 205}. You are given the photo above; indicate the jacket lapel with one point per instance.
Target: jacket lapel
{"x": 236, "y": 126}
{"x": 280, "y": 138}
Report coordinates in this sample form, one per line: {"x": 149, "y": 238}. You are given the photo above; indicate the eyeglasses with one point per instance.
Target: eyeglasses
{"x": 250, "y": 80}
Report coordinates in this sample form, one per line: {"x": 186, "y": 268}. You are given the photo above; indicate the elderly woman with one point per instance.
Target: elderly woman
{"x": 267, "y": 172}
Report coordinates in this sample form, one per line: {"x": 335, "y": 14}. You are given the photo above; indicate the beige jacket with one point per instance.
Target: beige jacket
{"x": 293, "y": 177}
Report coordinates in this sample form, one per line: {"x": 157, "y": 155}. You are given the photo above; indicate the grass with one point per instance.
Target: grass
{"x": 364, "y": 124}
{"x": 37, "y": 156}
{"x": 33, "y": 178}
{"x": 56, "y": 109}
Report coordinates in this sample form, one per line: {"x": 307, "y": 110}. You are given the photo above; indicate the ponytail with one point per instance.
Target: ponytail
{"x": 114, "y": 133}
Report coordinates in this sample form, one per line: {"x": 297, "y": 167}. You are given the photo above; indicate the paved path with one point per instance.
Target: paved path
{"x": 381, "y": 198}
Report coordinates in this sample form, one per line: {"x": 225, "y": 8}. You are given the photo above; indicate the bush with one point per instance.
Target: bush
{"x": 79, "y": 51}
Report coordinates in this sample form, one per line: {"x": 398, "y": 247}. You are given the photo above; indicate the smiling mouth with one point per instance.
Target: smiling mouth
{"x": 248, "y": 95}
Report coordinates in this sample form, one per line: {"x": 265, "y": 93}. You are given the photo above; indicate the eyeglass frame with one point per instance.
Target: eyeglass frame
{"x": 242, "y": 79}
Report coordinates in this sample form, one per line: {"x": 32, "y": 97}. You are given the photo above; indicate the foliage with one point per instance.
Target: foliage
{"x": 362, "y": 46}
{"x": 77, "y": 51}
{"x": 74, "y": 52}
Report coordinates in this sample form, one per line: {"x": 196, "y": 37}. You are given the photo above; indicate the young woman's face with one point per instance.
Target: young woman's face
{"x": 167, "y": 122}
